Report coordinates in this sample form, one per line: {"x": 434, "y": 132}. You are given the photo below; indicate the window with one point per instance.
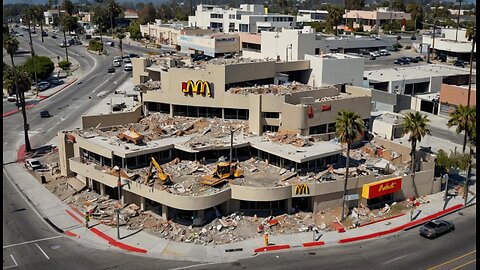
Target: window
{"x": 231, "y": 16}
{"x": 271, "y": 115}
{"x": 331, "y": 128}
{"x": 216, "y": 16}
{"x": 320, "y": 129}
{"x": 243, "y": 27}
{"x": 317, "y": 51}
{"x": 270, "y": 128}
{"x": 239, "y": 16}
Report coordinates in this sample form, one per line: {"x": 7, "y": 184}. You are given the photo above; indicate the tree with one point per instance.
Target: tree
{"x": 416, "y": 12}
{"x": 11, "y": 46}
{"x": 398, "y": 5}
{"x": 147, "y": 14}
{"x": 120, "y": 37}
{"x": 354, "y": 4}
{"x": 114, "y": 10}
{"x": 349, "y": 127}
{"x": 415, "y": 125}
{"x": 463, "y": 117}
{"x": 100, "y": 18}
{"x": 334, "y": 17}
{"x": 69, "y": 7}
{"x": 38, "y": 16}
{"x": 64, "y": 65}
{"x": 42, "y": 65}
{"x": 71, "y": 24}
{"x": 22, "y": 78}
{"x": 134, "y": 30}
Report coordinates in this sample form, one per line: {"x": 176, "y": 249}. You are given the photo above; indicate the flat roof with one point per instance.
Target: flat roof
{"x": 108, "y": 102}
{"x": 413, "y": 72}
{"x": 390, "y": 118}
{"x": 298, "y": 154}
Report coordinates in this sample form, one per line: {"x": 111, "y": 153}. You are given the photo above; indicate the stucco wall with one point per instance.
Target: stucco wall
{"x": 456, "y": 95}
{"x": 112, "y": 119}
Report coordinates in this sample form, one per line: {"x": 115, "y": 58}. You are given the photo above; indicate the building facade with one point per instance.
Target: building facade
{"x": 248, "y": 18}
{"x": 213, "y": 45}
{"x": 312, "y": 15}
{"x": 167, "y": 34}
{"x": 371, "y": 20}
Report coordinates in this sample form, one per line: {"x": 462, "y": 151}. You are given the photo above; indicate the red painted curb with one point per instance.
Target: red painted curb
{"x": 74, "y": 217}
{"x": 113, "y": 242}
{"x": 369, "y": 223}
{"x": 65, "y": 86}
{"x": 69, "y": 233}
{"x": 313, "y": 244}
{"x": 271, "y": 248}
{"x": 17, "y": 111}
{"x": 402, "y": 227}
{"x": 21, "y": 154}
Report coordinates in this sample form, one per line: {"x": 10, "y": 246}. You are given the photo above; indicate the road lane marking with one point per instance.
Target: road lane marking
{"x": 398, "y": 258}
{"x": 14, "y": 261}
{"x": 460, "y": 266}
{"x": 452, "y": 260}
{"x": 46, "y": 256}
{"x": 194, "y": 265}
{"x": 32, "y": 241}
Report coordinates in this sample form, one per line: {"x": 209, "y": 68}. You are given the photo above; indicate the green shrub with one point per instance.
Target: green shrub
{"x": 40, "y": 64}
{"x": 95, "y": 45}
{"x": 65, "y": 65}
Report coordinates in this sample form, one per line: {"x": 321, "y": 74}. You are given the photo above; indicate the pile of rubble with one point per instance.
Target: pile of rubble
{"x": 292, "y": 138}
{"x": 271, "y": 89}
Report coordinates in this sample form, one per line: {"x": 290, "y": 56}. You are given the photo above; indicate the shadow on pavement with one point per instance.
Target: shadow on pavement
{"x": 123, "y": 237}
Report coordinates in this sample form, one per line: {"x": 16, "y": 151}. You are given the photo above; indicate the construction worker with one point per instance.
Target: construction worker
{"x": 87, "y": 219}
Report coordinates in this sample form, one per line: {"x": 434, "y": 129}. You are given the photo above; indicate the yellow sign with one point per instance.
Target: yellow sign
{"x": 380, "y": 188}
{"x": 199, "y": 88}
{"x": 302, "y": 189}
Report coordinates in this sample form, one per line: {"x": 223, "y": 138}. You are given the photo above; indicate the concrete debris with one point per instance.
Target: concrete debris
{"x": 271, "y": 89}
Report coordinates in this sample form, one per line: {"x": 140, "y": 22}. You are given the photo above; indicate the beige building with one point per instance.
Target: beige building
{"x": 212, "y": 45}
{"x": 252, "y": 90}
{"x": 374, "y": 19}
{"x": 168, "y": 34}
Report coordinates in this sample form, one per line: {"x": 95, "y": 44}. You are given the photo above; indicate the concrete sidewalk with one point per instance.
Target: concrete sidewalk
{"x": 71, "y": 222}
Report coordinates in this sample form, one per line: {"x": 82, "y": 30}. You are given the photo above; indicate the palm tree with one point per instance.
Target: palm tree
{"x": 349, "y": 126}
{"x": 11, "y": 46}
{"x": 29, "y": 17}
{"x": 120, "y": 37}
{"x": 113, "y": 11}
{"x": 415, "y": 125}
{"x": 463, "y": 117}
{"x": 38, "y": 16}
{"x": 99, "y": 19}
{"x": 334, "y": 17}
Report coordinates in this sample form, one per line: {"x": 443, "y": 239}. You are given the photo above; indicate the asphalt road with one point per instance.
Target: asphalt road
{"x": 30, "y": 243}
{"x": 406, "y": 250}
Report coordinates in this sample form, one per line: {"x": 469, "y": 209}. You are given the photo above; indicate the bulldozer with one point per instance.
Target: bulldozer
{"x": 166, "y": 179}
{"x": 224, "y": 170}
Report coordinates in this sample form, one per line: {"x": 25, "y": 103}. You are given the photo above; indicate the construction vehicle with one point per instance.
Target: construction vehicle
{"x": 165, "y": 178}
{"x": 224, "y": 170}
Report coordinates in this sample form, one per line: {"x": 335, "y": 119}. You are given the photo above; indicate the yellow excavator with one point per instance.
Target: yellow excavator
{"x": 224, "y": 170}
{"x": 165, "y": 178}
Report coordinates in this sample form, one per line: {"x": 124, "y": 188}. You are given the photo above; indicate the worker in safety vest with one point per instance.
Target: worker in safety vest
{"x": 87, "y": 219}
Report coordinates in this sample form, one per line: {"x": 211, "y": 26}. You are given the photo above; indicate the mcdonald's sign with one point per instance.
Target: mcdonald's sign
{"x": 199, "y": 88}
{"x": 302, "y": 189}
{"x": 380, "y": 188}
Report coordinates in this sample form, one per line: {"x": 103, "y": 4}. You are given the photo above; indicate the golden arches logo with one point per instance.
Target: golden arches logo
{"x": 199, "y": 88}
{"x": 302, "y": 189}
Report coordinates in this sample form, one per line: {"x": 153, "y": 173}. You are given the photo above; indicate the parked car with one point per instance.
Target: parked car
{"x": 111, "y": 69}
{"x": 132, "y": 55}
{"x": 413, "y": 37}
{"x": 56, "y": 81}
{"x": 459, "y": 63}
{"x": 442, "y": 58}
{"x": 110, "y": 43}
{"x": 127, "y": 60}
{"x": 436, "y": 227}
{"x": 33, "y": 164}
{"x": 44, "y": 34}
{"x": 45, "y": 114}
{"x": 128, "y": 67}
{"x": 117, "y": 63}
{"x": 401, "y": 62}
{"x": 11, "y": 99}
{"x": 419, "y": 59}
{"x": 384, "y": 52}
{"x": 411, "y": 59}
{"x": 42, "y": 86}
{"x": 118, "y": 58}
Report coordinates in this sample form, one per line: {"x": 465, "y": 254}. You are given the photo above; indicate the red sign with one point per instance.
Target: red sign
{"x": 380, "y": 188}
{"x": 326, "y": 107}
{"x": 310, "y": 111}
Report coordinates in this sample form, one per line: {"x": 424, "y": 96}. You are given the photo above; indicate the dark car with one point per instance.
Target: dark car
{"x": 419, "y": 59}
{"x": 56, "y": 81}
{"x": 413, "y": 37}
{"x": 132, "y": 55}
{"x": 459, "y": 63}
{"x": 401, "y": 62}
{"x": 45, "y": 114}
{"x": 411, "y": 59}
{"x": 436, "y": 227}
{"x": 372, "y": 57}
{"x": 44, "y": 34}
{"x": 399, "y": 37}
{"x": 442, "y": 58}
{"x": 111, "y": 70}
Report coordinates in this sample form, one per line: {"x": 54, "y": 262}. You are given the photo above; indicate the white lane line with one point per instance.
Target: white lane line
{"x": 94, "y": 90}
{"x": 33, "y": 241}
{"x": 398, "y": 258}
{"x": 194, "y": 265}
{"x": 46, "y": 256}
{"x": 14, "y": 261}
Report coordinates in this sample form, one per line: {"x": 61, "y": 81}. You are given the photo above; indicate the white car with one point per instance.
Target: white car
{"x": 118, "y": 58}
{"x": 33, "y": 164}
{"x": 128, "y": 67}
{"x": 117, "y": 63}
{"x": 384, "y": 52}
{"x": 11, "y": 99}
{"x": 375, "y": 53}
{"x": 127, "y": 60}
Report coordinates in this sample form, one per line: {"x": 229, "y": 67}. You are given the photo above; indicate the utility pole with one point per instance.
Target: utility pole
{"x": 433, "y": 39}
{"x": 117, "y": 210}
{"x": 458, "y": 20}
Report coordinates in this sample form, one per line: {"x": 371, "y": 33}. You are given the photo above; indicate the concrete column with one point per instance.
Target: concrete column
{"x": 142, "y": 203}
{"x": 289, "y": 205}
{"x": 102, "y": 189}
{"x": 164, "y": 212}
